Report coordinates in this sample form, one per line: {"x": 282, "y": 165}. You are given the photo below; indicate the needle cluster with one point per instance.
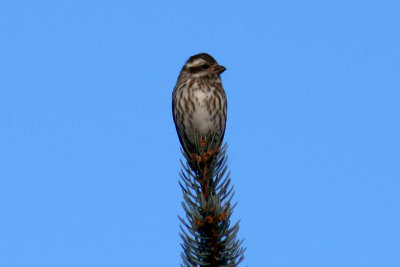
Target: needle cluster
{"x": 208, "y": 237}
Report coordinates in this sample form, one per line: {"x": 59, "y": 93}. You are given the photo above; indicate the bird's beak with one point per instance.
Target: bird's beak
{"x": 219, "y": 69}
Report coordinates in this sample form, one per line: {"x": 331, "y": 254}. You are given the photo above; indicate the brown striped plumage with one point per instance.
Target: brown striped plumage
{"x": 199, "y": 103}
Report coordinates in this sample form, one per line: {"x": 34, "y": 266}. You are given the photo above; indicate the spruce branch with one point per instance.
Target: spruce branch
{"x": 207, "y": 235}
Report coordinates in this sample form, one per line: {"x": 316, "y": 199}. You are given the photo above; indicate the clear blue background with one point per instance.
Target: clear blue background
{"x": 89, "y": 157}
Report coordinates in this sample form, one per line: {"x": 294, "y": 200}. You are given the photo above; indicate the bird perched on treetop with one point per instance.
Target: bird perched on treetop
{"x": 199, "y": 104}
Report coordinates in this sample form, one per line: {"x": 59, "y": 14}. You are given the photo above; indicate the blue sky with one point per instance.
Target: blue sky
{"x": 89, "y": 156}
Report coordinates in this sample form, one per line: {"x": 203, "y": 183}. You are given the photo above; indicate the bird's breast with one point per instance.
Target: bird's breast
{"x": 202, "y": 113}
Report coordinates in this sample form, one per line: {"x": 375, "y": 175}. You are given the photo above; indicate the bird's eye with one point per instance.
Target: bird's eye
{"x": 205, "y": 66}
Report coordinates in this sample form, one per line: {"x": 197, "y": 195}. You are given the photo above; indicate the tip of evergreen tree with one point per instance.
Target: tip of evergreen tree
{"x": 208, "y": 237}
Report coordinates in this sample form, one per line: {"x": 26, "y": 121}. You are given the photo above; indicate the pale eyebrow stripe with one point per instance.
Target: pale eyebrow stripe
{"x": 196, "y": 62}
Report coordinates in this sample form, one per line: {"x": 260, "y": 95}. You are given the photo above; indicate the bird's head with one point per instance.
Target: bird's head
{"x": 202, "y": 66}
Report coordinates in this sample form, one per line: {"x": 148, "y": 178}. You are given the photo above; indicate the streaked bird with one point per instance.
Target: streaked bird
{"x": 199, "y": 103}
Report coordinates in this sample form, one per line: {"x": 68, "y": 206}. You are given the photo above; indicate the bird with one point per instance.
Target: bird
{"x": 199, "y": 105}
